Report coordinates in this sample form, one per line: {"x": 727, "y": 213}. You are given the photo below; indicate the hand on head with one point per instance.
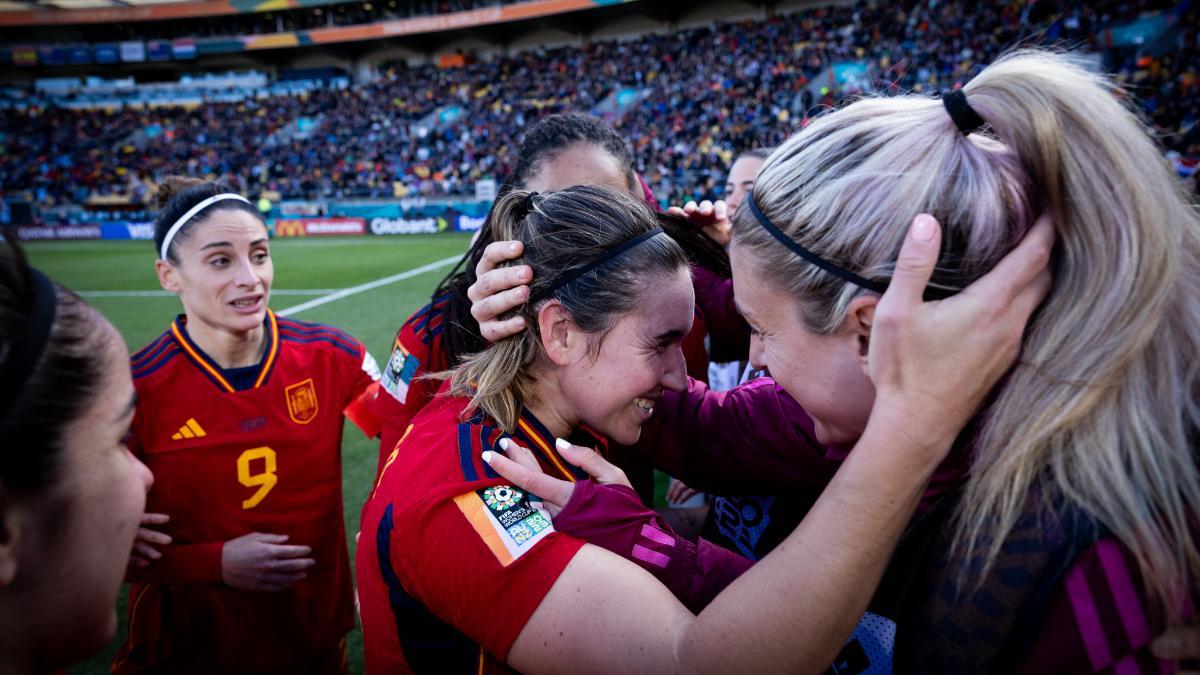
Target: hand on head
{"x": 710, "y": 217}
{"x": 933, "y": 363}
{"x": 499, "y": 289}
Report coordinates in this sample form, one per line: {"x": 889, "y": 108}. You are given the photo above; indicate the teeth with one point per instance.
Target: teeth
{"x": 644, "y": 403}
{"x": 244, "y": 303}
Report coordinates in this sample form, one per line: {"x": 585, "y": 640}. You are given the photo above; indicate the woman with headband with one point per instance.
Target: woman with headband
{"x": 557, "y": 152}
{"x": 240, "y": 417}
{"x": 1061, "y": 536}
{"x": 459, "y": 571}
{"x": 71, "y": 494}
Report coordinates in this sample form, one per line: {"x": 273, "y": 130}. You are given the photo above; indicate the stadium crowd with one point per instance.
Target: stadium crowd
{"x": 330, "y": 15}
{"x": 431, "y": 131}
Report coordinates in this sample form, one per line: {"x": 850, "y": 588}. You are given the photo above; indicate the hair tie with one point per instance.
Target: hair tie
{"x": 527, "y": 204}
{"x": 931, "y": 292}
{"x": 190, "y": 214}
{"x": 26, "y": 349}
{"x": 964, "y": 116}
{"x": 607, "y": 257}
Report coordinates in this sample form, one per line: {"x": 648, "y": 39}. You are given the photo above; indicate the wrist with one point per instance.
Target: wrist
{"x": 915, "y": 437}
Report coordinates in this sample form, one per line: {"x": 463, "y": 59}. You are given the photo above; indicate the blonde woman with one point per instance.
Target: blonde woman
{"x": 1065, "y": 539}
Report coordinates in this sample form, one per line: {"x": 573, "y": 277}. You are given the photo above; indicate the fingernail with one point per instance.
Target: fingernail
{"x": 504, "y": 444}
{"x": 487, "y": 456}
{"x": 923, "y": 228}
{"x": 561, "y": 444}
{"x": 512, "y": 247}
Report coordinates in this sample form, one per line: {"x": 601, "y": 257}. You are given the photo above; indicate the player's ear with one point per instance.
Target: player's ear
{"x": 10, "y": 537}
{"x": 561, "y": 338}
{"x": 860, "y": 315}
{"x": 166, "y": 275}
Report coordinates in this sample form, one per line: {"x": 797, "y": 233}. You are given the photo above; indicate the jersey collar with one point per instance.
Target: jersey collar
{"x": 538, "y": 438}
{"x": 210, "y": 368}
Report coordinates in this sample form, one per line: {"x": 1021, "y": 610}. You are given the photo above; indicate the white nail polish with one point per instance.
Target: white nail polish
{"x": 561, "y": 444}
{"x": 504, "y": 444}
{"x": 487, "y": 456}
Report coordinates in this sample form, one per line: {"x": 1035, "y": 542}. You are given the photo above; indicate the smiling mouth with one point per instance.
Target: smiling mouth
{"x": 246, "y": 302}
{"x": 644, "y": 403}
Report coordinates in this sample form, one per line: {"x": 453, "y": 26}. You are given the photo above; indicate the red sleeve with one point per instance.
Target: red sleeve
{"x": 753, "y": 439}
{"x": 180, "y": 564}
{"x": 404, "y": 390}
{"x": 184, "y": 564}
{"x": 360, "y": 386}
{"x": 459, "y": 562}
{"x": 1097, "y": 620}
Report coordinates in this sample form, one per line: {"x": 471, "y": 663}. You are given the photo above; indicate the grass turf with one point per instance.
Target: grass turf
{"x": 372, "y": 316}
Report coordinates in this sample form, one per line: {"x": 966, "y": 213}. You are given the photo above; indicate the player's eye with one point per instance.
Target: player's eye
{"x": 220, "y": 262}
{"x": 261, "y": 257}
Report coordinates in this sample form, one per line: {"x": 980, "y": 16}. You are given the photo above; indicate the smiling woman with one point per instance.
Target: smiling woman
{"x": 240, "y": 417}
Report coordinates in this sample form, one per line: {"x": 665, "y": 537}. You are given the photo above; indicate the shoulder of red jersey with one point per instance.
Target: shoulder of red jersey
{"x": 304, "y": 332}
{"x": 149, "y": 359}
{"x": 428, "y": 322}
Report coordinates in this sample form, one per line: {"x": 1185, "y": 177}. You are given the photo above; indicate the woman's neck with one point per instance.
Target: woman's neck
{"x": 228, "y": 349}
{"x": 548, "y": 405}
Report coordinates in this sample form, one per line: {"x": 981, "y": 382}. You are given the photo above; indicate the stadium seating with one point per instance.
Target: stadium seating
{"x": 685, "y": 100}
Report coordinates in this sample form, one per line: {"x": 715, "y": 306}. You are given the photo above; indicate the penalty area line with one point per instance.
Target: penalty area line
{"x": 370, "y": 285}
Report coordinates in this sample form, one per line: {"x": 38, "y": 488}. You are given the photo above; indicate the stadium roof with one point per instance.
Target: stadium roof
{"x": 35, "y": 12}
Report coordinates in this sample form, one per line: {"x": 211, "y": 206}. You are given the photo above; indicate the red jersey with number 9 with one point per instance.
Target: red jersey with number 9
{"x": 235, "y": 452}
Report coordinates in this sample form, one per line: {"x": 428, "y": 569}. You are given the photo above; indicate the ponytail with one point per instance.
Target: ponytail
{"x": 1109, "y": 366}
{"x": 1101, "y": 414}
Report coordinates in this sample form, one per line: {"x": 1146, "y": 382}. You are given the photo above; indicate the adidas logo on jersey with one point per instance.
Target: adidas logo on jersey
{"x": 191, "y": 429}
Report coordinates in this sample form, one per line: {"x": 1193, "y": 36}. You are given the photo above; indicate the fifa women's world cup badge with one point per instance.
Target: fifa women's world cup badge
{"x": 302, "y": 401}
{"x": 501, "y": 497}
{"x": 508, "y": 520}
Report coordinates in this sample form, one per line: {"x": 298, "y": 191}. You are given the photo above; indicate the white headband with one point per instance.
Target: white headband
{"x": 192, "y": 212}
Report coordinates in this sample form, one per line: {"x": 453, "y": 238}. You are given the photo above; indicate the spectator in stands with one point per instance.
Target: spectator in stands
{"x": 435, "y": 131}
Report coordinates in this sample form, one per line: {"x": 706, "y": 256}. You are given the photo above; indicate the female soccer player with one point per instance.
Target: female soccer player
{"x": 240, "y": 417}
{"x": 71, "y": 494}
{"x": 558, "y": 152}
{"x": 1064, "y": 536}
{"x": 459, "y": 571}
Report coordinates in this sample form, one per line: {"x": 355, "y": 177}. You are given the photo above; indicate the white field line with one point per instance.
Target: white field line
{"x": 370, "y": 285}
{"x": 164, "y": 294}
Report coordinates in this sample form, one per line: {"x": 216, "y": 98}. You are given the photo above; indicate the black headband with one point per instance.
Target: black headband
{"x": 607, "y": 257}
{"x": 964, "y": 116}
{"x": 26, "y": 349}
{"x": 931, "y": 292}
{"x": 836, "y": 270}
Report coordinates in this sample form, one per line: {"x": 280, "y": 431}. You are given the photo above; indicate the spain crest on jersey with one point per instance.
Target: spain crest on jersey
{"x": 302, "y": 401}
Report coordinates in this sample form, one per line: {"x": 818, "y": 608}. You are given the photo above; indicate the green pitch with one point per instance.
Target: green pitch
{"x": 305, "y": 269}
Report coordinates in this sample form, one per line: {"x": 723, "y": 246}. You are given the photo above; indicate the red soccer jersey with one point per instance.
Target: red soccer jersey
{"x": 451, "y": 561}
{"x": 259, "y": 452}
